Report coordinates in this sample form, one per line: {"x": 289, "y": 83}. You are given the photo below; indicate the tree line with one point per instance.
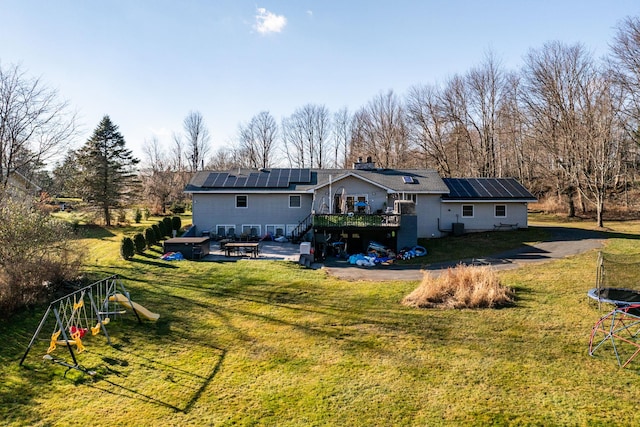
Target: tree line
{"x": 565, "y": 124}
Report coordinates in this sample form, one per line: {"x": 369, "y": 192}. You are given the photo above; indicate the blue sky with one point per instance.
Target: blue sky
{"x": 148, "y": 63}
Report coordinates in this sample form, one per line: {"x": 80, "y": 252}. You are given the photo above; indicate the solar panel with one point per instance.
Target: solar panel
{"x": 305, "y": 176}
{"x": 240, "y": 181}
{"x": 220, "y": 179}
{"x": 252, "y": 180}
{"x": 516, "y": 189}
{"x": 272, "y": 180}
{"x": 479, "y": 188}
{"x": 294, "y": 175}
{"x": 494, "y": 188}
{"x": 262, "y": 180}
{"x": 486, "y": 188}
{"x": 210, "y": 180}
{"x": 283, "y": 181}
{"x": 230, "y": 182}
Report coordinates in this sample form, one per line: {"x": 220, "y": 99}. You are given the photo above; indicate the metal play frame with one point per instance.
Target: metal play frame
{"x": 86, "y": 310}
{"x": 621, "y": 326}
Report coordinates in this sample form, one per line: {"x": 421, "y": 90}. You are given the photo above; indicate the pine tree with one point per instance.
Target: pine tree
{"x": 107, "y": 174}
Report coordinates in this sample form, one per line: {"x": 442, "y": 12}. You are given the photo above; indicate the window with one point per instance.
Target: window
{"x": 410, "y": 196}
{"x": 467, "y": 211}
{"x": 275, "y": 230}
{"x": 501, "y": 211}
{"x": 251, "y": 231}
{"x": 226, "y": 230}
{"x": 295, "y": 201}
{"x": 357, "y": 204}
{"x": 242, "y": 202}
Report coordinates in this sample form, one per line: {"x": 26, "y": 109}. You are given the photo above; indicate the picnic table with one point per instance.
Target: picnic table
{"x": 241, "y": 248}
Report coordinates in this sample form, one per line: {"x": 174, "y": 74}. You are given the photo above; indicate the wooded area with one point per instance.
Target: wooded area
{"x": 566, "y": 125}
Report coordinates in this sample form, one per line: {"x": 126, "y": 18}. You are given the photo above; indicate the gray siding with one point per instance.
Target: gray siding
{"x": 212, "y": 210}
{"x": 376, "y": 196}
{"x": 428, "y": 211}
{"x": 483, "y": 215}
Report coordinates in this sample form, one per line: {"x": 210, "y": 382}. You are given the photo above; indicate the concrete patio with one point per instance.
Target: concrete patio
{"x": 274, "y": 251}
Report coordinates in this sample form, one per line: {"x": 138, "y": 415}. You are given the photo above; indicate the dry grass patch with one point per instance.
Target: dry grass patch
{"x": 461, "y": 287}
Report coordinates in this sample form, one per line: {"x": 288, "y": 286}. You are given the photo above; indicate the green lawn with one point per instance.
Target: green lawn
{"x": 271, "y": 343}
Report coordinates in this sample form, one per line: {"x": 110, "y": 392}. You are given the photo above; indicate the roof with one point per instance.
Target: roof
{"x": 308, "y": 180}
{"x": 503, "y": 189}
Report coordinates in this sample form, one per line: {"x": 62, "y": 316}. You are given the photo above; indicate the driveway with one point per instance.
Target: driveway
{"x": 563, "y": 242}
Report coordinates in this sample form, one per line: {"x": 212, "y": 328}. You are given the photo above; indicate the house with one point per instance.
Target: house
{"x": 392, "y": 206}
{"x": 19, "y": 186}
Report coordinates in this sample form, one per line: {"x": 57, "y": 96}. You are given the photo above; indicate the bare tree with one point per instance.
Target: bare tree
{"x": 342, "y": 137}
{"x": 382, "y": 130}
{"x": 258, "y": 139}
{"x": 604, "y": 141}
{"x": 429, "y": 129}
{"x": 486, "y": 87}
{"x": 553, "y": 79}
{"x": 227, "y": 158}
{"x": 162, "y": 183}
{"x": 34, "y": 123}
{"x": 197, "y": 136}
{"x": 306, "y": 136}
{"x": 626, "y": 67}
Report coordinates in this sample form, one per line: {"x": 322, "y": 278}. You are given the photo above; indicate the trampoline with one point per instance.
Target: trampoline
{"x": 620, "y": 327}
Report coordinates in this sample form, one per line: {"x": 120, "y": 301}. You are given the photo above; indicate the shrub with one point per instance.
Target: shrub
{"x": 461, "y": 287}
{"x": 127, "y": 248}
{"x": 122, "y": 216}
{"x": 168, "y": 227}
{"x": 37, "y": 254}
{"x": 150, "y": 236}
{"x": 139, "y": 242}
{"x": 176, "y": 223}
{"x": 163, "y": 229}
{"x": 177, "y": 208}
{"x": 158, "y": 232}
{"x": 137, "y": 216}
{"x": 147, "y": 214}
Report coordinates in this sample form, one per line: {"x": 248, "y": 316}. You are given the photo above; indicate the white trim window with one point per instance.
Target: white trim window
{"x": 242, "y": 201}
{"x": 295, "y": 201}
{"x": 275, "y": 230}
{"x": 289, "y": 228}
{"x": 410, "y": 196}
{"x": 500, "y": 211}
{"x": 226, "y": 230}
{"x": 357, "y": 203}
{"x": 251, "y": 230}
{"x": 467, "y": 211}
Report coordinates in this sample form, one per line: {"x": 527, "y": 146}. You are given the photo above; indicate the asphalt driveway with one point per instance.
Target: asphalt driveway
{"x": 564, "y": 242}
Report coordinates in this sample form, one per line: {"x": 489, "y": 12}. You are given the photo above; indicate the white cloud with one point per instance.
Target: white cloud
{"x": 310, "y": 12}
{"x": 268, "y": 22}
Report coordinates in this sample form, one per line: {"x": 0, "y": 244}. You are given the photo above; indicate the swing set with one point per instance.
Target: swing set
{"x": 84, "y": 313}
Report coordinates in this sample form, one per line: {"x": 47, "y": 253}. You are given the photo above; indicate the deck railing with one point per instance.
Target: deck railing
{"x": 356, "y": 220}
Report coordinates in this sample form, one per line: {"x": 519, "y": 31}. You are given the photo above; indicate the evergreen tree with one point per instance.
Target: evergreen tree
{"x": 107, "y": 173}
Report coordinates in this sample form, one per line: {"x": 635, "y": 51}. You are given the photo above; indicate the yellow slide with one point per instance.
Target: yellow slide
{"x": 123, "y": 300}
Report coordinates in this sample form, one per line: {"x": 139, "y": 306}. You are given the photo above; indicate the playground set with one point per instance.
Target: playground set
{"x": 81, "y": 314}
{"x": 616, "y": 285}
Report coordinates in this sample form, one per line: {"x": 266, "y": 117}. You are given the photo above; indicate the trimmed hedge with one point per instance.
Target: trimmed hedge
{"x": 127, "y": 248}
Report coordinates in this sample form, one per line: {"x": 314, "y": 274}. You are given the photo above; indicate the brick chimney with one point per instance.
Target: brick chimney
{"x": 368, "y": 165}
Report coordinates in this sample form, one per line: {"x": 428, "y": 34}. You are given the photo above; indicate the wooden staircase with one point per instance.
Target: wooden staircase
{"x": 303, "y": 227}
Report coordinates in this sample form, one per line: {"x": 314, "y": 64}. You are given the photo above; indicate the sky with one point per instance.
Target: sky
{"x": 149, "y": 63}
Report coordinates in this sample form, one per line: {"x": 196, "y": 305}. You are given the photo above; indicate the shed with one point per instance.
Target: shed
{"x": 190, "y": 247}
